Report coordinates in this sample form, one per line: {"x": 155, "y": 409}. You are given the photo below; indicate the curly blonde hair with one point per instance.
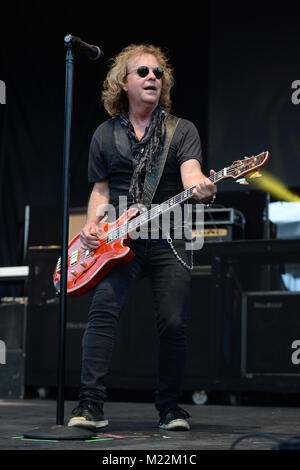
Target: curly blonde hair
{"x": 114, "y": 97}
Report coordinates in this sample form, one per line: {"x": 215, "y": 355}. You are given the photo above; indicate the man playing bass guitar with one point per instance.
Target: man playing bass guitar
{"x": 124, "y": 149}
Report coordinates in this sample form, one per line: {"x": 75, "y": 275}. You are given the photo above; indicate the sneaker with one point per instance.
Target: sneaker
{"x": 88, "y": 415}
{"x": 174, "y": 419}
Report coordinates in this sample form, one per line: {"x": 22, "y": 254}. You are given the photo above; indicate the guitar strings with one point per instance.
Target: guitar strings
{"x": 214, "y": 178}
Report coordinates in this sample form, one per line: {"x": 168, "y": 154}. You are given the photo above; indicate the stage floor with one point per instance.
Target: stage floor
{"x": 133, "y": 426}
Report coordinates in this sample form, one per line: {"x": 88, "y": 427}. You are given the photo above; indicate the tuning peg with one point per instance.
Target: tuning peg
{"x": 256, "y": 174}
{"x": 242, "y": 181}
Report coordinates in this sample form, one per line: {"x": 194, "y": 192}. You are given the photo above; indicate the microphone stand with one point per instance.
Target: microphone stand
{"x": 65, "y": 233}
{"x": 60, "y": 431}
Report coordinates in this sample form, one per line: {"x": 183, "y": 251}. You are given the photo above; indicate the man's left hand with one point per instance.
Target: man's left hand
{"x": 205, "y": 189}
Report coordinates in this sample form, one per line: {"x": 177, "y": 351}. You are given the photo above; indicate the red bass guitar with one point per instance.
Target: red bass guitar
{"x": 87, "y": 268}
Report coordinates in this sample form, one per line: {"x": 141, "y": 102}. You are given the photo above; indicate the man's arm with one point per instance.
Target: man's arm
{"x": 98, "y": 201}
{"x": 191, "y": 175}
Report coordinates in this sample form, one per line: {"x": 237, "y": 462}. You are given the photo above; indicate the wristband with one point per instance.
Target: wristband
{"x": 210, "y": 202}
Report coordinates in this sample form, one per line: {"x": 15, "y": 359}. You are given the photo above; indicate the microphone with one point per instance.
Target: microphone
{"x": 93, "y": 52}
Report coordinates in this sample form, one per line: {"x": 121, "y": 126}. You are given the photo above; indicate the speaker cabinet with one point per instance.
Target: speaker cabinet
{"x": 12, "y": 354}
{"x": 134, "y": 364}
{"x": 42, "y": 331}
{"x": 134, "y": 361}
{"x": 253, "y": 340}
{"x": 270, "y": 327}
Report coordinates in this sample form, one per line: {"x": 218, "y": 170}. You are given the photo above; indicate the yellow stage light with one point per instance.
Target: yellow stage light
{"x": 275, "y": 187}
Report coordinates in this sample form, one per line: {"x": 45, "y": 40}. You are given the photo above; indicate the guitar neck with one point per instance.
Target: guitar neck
{"x": 157, "y": 210}
{"x": 174, "y": 201}
{"x": 238, "y": 169}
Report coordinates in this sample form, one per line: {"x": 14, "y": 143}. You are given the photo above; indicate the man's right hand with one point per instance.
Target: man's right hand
{"x": 99, "y": 198}
{"x": 89, "y": 236}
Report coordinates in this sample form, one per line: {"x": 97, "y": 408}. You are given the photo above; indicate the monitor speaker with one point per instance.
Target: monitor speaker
{"x": 270, "y": 333}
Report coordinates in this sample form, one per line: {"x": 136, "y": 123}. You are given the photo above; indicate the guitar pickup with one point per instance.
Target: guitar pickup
{"x": 88, "y": 253}
{"x": 58, "y": 266}
{"x": 74, "y": 257}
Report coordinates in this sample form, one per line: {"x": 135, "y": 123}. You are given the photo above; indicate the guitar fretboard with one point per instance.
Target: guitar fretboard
{"x": 236, "y": 170}
{"x": 157, "y": 210}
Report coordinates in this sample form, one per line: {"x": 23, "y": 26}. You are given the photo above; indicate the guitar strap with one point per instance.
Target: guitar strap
{"x": 152, "y": 178}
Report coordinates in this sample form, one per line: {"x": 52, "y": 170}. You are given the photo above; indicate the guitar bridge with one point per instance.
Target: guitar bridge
{"x": 88, "y": 253}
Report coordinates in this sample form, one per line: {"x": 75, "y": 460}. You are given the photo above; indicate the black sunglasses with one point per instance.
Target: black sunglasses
{"x": 143, "y": 71}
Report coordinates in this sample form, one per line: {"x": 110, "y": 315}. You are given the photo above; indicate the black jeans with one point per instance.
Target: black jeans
{"x": 170, "y": 282}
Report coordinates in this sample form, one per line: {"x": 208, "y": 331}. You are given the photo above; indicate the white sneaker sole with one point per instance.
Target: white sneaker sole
{"x": 176, "y": 425}
{"x": 84, "y": 423}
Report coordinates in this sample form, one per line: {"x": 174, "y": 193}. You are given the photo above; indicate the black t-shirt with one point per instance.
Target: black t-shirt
{"x": 107, "y": 163}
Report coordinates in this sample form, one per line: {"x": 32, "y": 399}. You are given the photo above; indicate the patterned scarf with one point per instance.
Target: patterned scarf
{"x": 144, "y": 151}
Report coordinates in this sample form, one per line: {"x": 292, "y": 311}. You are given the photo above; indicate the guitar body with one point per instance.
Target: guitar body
{"x": 87, "y": 268}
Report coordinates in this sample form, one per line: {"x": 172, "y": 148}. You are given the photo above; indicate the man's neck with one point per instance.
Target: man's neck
{"x": 141, "y": 116}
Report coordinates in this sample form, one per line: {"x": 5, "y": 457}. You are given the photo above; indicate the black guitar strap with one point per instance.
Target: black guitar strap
{"x": 152, "y": 178}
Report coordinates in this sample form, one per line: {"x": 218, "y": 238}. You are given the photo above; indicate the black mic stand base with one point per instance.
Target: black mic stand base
{"x": 59, "y": 432}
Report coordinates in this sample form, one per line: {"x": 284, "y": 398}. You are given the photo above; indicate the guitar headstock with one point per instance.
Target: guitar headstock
{"x": 240, "y": 168}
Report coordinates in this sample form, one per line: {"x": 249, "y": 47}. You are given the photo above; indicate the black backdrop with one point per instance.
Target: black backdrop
{"x": 234, "y": 66}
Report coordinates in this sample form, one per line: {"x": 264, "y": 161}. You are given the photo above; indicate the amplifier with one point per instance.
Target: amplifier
{"x": 219, "y": 216}
{"x": 12, "y": 342}
{"x": 220, "y": 224}
{"x": 270, "y": 329}
{"x": 213, "y": 233}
